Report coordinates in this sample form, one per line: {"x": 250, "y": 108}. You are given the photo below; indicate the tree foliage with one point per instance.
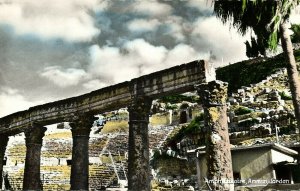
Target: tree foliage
{"x": 263, "y": 16}
{"x": 268, "y": 19}
{"x": 296, "y": 36}
{"x": 255, "y": 49}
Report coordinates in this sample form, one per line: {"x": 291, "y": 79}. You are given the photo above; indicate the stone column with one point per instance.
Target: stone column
{"x": 213, "y": 96}
{"x": 138, "y": 155}
{"x": 33, "y": 139}
{"x": 3, "y": 144}
{"x": 81, "y": 127}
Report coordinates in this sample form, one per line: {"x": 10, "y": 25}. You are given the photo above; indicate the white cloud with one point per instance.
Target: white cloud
{"x": 152, "y": 8}
{"x": 136, "y": 58}
{"x": 119, "y": 64}
{"x": 142, "y": 52}
{"x": 13, "y": 101}
{"x": 202, "y": 5}
{"x": 94, "y": 84}
{"x": 183, "y": 53}
{"x": 104, "y": 61}
{"x": 142, "y": 25}
{"x": 295, "y": 16}
{"x": 56, "y": 19}
{"x": 225, "y": 42}
{"x": 178, "y": 40}
{"x": 68, "y": 77}
{"x": 178, "y": 26}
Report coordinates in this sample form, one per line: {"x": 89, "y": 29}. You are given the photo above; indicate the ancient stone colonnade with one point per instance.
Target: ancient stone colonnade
{"x": 79, "y": 111}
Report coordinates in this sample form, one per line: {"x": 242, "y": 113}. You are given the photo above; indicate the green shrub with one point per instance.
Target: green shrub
{"x": 286, "y": 130}
{"x": 251, "y": 71}
{"x": 195, "y": 124}
{"x": 242, "y": 111}
{"x": 284, "y": 96}
{"x": 177, "y": 98}
{"x": 192, "y": 128}
{"x": 171, "y": 107}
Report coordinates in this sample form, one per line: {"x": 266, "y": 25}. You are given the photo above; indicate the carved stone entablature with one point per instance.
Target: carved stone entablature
{"x": 81, "y": 124}
{"x": 213, "y": 94}
{"x": 34, "y": 134}
{"x": 175, "y": 80}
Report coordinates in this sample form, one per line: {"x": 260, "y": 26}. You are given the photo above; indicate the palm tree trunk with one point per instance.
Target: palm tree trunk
{"x": 291, "y": 70}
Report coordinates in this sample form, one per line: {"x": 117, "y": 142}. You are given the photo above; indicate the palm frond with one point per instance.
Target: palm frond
{"x": 263, "y": 16}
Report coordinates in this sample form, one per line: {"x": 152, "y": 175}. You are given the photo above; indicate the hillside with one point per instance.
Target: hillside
{"x": 258, "y": 95}
{"x": 251, "y": 71}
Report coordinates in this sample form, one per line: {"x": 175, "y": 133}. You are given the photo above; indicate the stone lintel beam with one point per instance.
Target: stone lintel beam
{"x": 3, "y": 144}
{"x": 213, "y": 97}
{"x": 33, "y": 138}
{"x": 138, "y": 155}
{"x": 81, "y": 126}
{"x": 178, "y": 79}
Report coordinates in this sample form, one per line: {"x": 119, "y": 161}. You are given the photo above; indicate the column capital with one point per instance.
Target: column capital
{"x": 81, "y": 124}
{"x": 139, "y": 108}
{"x": 213, "y": 93}
{"x": 35, "y": 134}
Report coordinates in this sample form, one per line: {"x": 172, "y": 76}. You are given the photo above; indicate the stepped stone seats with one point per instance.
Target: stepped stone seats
{"x": 55, "y": 174}
{"x": 14, "y": 177}
{"x": 96, "y": 145}
{"x": 154, "y": 139}
{"x": 55, "y": 177}
{"x": 100, "y": 176}
{"x": 118, "y": 144}
{"x": 57, "y": 148}
{"x": 16, "y": 155}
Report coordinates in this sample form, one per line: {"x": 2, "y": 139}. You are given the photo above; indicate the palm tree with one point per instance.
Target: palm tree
{"x": 269, "y": 21}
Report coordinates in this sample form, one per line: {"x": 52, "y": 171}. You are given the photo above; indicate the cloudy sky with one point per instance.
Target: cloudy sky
{"x": 55, "y": 49}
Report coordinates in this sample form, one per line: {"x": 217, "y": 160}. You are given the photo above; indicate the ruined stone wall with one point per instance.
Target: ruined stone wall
{"x": 175, "y": 167}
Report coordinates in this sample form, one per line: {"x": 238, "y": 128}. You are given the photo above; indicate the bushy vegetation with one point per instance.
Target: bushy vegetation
{"x": 251, "y": 71}
{"x": 296, "y": 35}
{"x": 284, "y": 96}
{"x": 242, "y": 110}
{"x": 177, "y": 98}
{"x": 171, "y": 107}
{"x": 192, "y": 128}
{"x": 195, "y": 124}
{"x": 286, "y": 130}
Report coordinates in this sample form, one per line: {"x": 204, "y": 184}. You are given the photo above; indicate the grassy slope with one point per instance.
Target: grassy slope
{"x": 251, "y": 71}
